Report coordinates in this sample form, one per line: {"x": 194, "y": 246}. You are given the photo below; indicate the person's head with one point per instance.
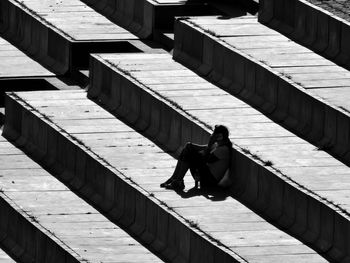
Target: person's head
{"x": 221, "y": 132}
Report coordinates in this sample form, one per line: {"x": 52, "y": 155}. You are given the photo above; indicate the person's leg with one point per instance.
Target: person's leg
{"x": 187, "y": 156}
{"x": 178, "y": 174}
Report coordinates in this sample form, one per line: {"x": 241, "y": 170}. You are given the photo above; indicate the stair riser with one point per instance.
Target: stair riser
{"x": 25, "y": 241}
{"x": 310, "y": 26}
{"x": 49, "y": 46}
{"x": 275, "y": 95}
{"x": 259, "y": 187}
{"x": 144, "y": 18}
{"x": 138, "y": 19}
{"x": 103, "y": 186}
{"x": 30, "y": 34}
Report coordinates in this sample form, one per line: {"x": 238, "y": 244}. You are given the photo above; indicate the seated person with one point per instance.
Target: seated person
{"x": 207, "y": 163}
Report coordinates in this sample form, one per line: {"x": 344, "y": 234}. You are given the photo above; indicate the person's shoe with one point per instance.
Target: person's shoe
{"x": 175, "y": 185}
{"x": 166, "y": 182}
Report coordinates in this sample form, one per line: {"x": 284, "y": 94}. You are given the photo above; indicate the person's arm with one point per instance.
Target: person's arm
{"x": 218, "y": 154}
{"x": 211, "y": 142}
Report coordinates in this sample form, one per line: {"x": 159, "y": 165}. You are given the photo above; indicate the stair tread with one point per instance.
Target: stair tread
{"x": 76, "y": 226}
{"x": 148, "y": 166}
{"x": 75, "y": 20}
{"x": 4, "y": 258}
{"x": 295, "y": 63}
{"x": 335, "y": 7}
{"x": 250, "y": 129}
{"x": 15, "y": 64}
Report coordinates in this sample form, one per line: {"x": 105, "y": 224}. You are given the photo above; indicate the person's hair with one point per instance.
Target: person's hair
{"x": 225, "y": 133}
{"x": 223, "y": 130}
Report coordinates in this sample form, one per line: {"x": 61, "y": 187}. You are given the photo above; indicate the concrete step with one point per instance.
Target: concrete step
{"x": 286, "y": 179}
{"x": 122, "y": 174}
{"x": 323, "y": 26}
{"x": 288, "y": 82}
{"x": 43, "y": 221}
{"x": 18, "y": 72}
{"x": 5, "y": 258}
{"x": 146, "y": 18}
{"x": 60, "y": 35}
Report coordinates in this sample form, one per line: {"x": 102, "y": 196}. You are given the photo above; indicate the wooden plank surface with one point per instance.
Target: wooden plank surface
{"x": 227, "y": 220}
{"x": 89, "y": 236}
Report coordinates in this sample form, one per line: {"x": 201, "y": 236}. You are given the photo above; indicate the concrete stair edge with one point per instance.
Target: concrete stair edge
{"x": 312, "y": 123}
{"x": 119, "y": 209}
{"x": 276, "y": 201}
{"x": 309, "y": 21}
{"x": 26, "y": 240}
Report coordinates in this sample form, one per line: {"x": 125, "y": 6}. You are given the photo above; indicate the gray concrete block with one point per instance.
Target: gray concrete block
{"x": 149, "y": 235}
{"x": 275, "y": 208}
{"x": 300, "y": 219}
{"x": 343, "y": 132}
{"x": 287, "y": 218}
{"x": 13, "y": 119}
{"x": 139, "y": 225}
{"x": 160, "y": 244}
{"x": 207, "y": 54}
{"x": 325, "y": 238}
{"x": 330, "y": 121}
{"x": 322, "y": 32}
{"x": 128, "y": 217}
{"x": 266, "y": 11}
{"x": 334, "y": 38}
{"x": 25, "y": 240}
{"x": 218, "y": 63}
{"x": 344, "y": 56}
{"x": 340, "y": 239}
{"x": 317, "y": 122}
{"x": 313, "y": 221}
{"x": 109, "y": 190}
{"x": 310, "y": 36}
{"x": 234, "y": 71}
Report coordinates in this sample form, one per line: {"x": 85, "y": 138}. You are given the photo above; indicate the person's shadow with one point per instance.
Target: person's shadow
{"x": 214, "y": 194}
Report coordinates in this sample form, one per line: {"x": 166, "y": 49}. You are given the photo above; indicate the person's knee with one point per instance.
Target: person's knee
{"x": 186, "y": 151}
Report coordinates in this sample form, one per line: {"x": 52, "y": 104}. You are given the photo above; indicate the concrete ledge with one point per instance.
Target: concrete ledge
{"x": 110, "y": 191}
{"x": 25, "y": 240}
{"x": 138, "y": 19}
{"x": 274, "y": 94}
{"x": 260, "y": 187}
{"x": 146, "y": 18}
{"x": 309, "y": 25}
{"x": 19, "y": 27}
{"x": 53, "y": 47}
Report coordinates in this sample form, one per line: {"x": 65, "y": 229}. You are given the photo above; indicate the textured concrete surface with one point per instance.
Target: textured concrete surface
{"x": 15, "y": 64}
{"x": 5, "y": 258}
{"x": 337, "y": 7}
{"x": 274, "y": 170}
{"x": 229, "y": 225}
{"x": 148, "y": 19}
{"x": 286, "y": 81}
{"x": 323, "y": 26}
{"x": 73, "y": 224}
{"x": 61, "y": 34}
